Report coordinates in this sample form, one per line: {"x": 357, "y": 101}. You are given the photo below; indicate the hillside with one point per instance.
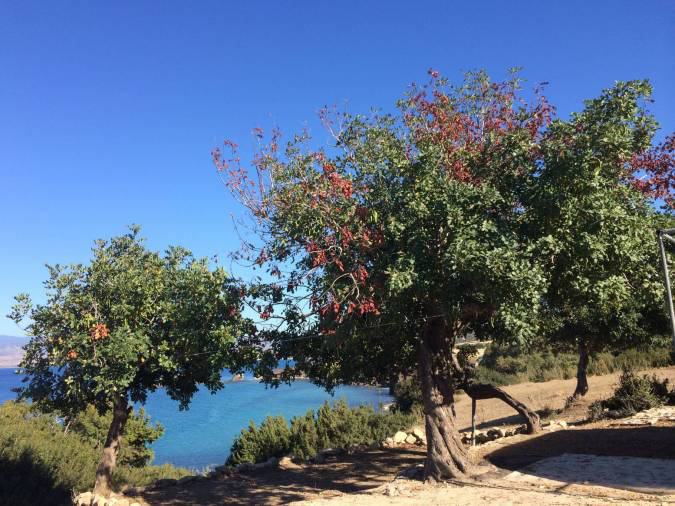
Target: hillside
{"x": 10, "y": 350}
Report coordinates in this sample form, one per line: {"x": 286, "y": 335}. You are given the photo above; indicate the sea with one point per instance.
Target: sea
{"x": 202, "y": 436}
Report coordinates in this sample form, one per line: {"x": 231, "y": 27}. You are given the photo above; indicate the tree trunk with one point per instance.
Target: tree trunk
{"x": 446, "y": 456}
{"x": 479, "y": 391}
{"x": 392, "y": 383}
{"x": 106, "y": 466}
{"x": 582, "y": 380}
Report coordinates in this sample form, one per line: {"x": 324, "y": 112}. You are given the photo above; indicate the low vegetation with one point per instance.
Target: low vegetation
{"x": 634, "y": 393}
{"x": 41, "y": 463}
{"x": 337, "y": 426}
{"x": 507, "y": 365}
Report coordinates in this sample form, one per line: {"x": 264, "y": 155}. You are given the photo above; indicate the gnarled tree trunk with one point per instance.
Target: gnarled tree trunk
{"x": 446, "y": 456}
{"x": 106, "y": 466}
{"x": 582, "y": 380}
{"x": 480, "y": 391}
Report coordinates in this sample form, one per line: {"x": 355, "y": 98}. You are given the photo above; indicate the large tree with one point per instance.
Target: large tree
{"x": 125, "y": 324}
{"x": 596, "y": 202}
{"x": 401, "y": 237}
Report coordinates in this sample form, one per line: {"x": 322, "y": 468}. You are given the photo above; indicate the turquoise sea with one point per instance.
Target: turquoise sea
{"x": 202, "y": 435}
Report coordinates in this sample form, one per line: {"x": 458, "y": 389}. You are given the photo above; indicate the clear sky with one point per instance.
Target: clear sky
{"x": 109, "y": 110}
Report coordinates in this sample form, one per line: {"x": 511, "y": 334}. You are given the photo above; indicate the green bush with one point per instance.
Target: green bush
{"x": 138, "y": 435}
{"x": 337, "y": 426}
{"x": 633, "y": 394}
{"x": 408, "y": 396}
{"x": 40, "y": 463}
{"x": 304, "y": 437}
{"x": 257, "y": 444}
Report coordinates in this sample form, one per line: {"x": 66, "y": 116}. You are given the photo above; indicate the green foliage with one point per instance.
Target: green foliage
{"x": 304, "y": 437}
{"x": 138, "y": 435}
{"x": 408, "y": 395}
{"x": 633, "y": 394}
{"x": 128, "y": 322}
{"x": 125, "y": 324}
{"x": 336, "y": 426}
{"x": 604, "y": 284}
{"x": 257, "y": 444}
{"x": 506, "y": 365}
{"x": 40, "y": 463}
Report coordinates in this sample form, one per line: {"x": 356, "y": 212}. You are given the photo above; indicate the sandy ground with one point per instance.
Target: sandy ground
{"x": 584, "y": 464}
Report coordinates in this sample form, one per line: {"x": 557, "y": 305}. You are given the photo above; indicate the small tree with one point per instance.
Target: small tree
{"x": 129, "y": 322}
{"x": 386, "y": 249}
{"x": 595, "y": 203}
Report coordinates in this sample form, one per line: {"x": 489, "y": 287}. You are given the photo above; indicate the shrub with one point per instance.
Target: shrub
{"x": 138, "y": 435}
{"x": 633, "y": 393}
{"x": 408, "y": 396}
{"x": 40, "y": 463}
{"x": 337, "y": 426}
{"x": 257, "y": 444}
{"x": 304, "y": 437}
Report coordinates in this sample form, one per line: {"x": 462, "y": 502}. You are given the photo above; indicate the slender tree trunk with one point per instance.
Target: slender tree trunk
{"x": 106, "y": 466}
{"x": 582, "y": 380}
{"x": 392, "y": 383}
{"x": 446, "y": 456}
{"x": 479, "y": 391}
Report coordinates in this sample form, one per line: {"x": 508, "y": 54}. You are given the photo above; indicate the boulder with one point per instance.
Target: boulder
{"x": 419, "y": 433}
{"x": 98, "y": 500}
{"x": 287, "y": 463}
{"x": 83, "y": 499}
{"x": 410, "y": 439}
{"x": 563, "y": 424}
{"x": 389, "y": 441}
{"x": 502, "y": 432}
{"x": 400, "y": 436}
{"x": 166, "y": 482}
{"x": 121, "y": 502}
{"x": 186, "y": 479}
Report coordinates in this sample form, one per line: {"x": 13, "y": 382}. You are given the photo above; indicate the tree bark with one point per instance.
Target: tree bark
{"x": 582, "y": 380}
{"x": 446, "y": 456}
{"x": 106, "y": 465}
{"x": 480, "y": 391}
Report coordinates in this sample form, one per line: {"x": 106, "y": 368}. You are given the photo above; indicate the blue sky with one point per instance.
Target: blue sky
{"x": 109, "y": 110}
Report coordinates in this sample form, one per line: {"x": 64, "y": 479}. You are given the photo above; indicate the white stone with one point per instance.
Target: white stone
{"x": 400, "y": 436}
{"x": 419, "y": 433}
{"x": 410, "y": 439}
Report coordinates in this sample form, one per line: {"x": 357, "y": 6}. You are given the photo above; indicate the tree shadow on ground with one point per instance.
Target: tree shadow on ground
{"x": 343, "y": 474}
{"x": 630, "y": 445}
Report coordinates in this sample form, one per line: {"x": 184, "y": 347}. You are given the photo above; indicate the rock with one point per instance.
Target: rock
{"x": 419, "y": 433}
{"x": 501, "y": 432}
{"x": 122, "y": 502}
{"x": 410, "y": 439}
{"x": 563, "y": 424}
{"x": 287, "y": 463}
{"x": 186, "y": 479}
{"x": 98, "y": 500}
{"x": 389, "y": 441}
{"x": 83, "y": 499}
{"x": 400, "y": 436}
{"x": 166, "y": 482}
{"x": 244, "y": 467}
{"x": 135, "y": 504}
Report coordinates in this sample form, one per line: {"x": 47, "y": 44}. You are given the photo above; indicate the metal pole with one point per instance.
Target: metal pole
{"x": 669, "y": 294}
{"x": 473, "y": 422}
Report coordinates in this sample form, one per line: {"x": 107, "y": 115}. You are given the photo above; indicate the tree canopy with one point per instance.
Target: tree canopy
{"x": 415, "y": 228}
{"x": 125, "y": 324}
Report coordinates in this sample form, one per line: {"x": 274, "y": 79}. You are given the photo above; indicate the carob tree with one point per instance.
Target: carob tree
{"x": 127, "y": 323}
{"x": 404, "y": 235}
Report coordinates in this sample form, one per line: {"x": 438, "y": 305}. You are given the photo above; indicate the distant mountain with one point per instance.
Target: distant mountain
{"x": 10, "y": 350}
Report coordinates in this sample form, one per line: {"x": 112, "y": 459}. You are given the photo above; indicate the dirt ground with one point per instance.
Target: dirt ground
{"x": 370, "y": 477}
